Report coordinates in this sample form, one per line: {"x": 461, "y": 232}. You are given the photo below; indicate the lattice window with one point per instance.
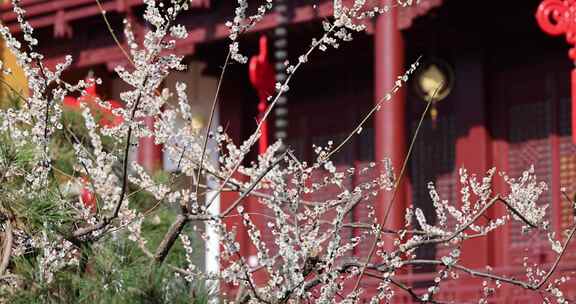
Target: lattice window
{"x": 529, "y": 129}
{"x": 433, "y": 160}
{"x": 567, "y": 181}
{"x": 364, "y": 206}
{"x": 567, "y": 172}
{"x": 567, "y": 164}
{"x": 446, "y": 185}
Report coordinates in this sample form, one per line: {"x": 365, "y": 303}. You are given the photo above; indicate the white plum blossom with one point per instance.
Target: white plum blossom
{"x": 524, "y": 194}
{"x": 307, "y": 220}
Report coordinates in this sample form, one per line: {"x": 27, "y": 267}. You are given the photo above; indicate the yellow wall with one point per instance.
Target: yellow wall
{"x": 16, "y": 80}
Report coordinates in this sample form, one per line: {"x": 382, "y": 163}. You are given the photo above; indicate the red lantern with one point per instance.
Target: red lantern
{"x": 262, "y": 77}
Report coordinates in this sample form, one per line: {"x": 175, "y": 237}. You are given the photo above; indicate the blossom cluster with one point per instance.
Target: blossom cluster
{"x": 307, "y": 245}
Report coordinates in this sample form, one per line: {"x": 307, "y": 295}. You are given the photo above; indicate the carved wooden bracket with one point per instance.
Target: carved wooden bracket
{"x": 62, "y": 28}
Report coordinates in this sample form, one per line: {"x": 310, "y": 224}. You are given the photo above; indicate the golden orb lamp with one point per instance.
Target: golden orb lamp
{"x": 433, "y": 83}
{"x": 197, "y": 123}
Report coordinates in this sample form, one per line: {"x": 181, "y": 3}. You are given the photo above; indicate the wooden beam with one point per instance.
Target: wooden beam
{"x": 200, "y": 33}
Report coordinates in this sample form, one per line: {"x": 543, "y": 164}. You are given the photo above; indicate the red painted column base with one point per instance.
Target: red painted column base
{"x": 149, "y": 154}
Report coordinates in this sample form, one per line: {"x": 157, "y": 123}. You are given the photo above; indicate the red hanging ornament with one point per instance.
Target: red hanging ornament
{"x": 87, "y": 198}
{"x": 557, "y": 17}
{"x": 262, "y": 77}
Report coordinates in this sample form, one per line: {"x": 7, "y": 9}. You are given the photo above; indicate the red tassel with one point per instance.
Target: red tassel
{"x": 263, "y": 144}
{"x": 574, "y": 106}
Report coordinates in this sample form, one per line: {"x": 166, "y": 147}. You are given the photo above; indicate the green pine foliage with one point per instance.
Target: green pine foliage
{"x": 112, "y": 270}
{"x": 116, "y": 273}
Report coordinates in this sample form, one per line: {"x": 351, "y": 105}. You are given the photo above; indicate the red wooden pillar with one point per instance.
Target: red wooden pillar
{"x": 390, "y": 121}
{"x": 473, "y": 147}
{"x": 149, "y": 154}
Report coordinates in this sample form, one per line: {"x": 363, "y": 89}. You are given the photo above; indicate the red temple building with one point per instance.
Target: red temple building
{"x": 508, "y": 103}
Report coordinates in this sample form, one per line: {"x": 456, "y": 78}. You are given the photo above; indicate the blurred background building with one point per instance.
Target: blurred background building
{"x": 506, "y": 101}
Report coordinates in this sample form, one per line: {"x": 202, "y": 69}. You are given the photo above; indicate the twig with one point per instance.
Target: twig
{"x": 127, "y": 153}
{"x": 273, "y": 103}
{"x": 111, "y": 31}
{"x": 358, "y": 128}
{"x": 6, "y": 246}
{"x": 235, "y": 186}
{"x": 107, "y": 220}
{"x": 558, "y": 258}
{"x": 466, "y": 225}
{"x": 395, "y": 193}
{"x": 150, "y": 255}
{"x": 10, "y": 277}
{"x": 170, "y": 238}
{"x": 4, "y": 82}
{"x": 212, "y": 112}
{"x": 407, "y": 289}
{"x": 473, "y": 272}
{"x": 253, "y": 185}
{"x": 246, "y": 297}
{"x": 494, "y": 277}
{"x": 81, "y": 232}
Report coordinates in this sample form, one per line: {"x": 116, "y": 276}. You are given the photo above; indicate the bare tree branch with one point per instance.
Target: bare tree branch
{"x": 6, "y": 246}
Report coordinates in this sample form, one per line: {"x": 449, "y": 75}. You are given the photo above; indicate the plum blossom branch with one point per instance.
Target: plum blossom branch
{"x": 304, "y": 208}
{"x": 402, "y": 171}
{"x": 211, "y": 117}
